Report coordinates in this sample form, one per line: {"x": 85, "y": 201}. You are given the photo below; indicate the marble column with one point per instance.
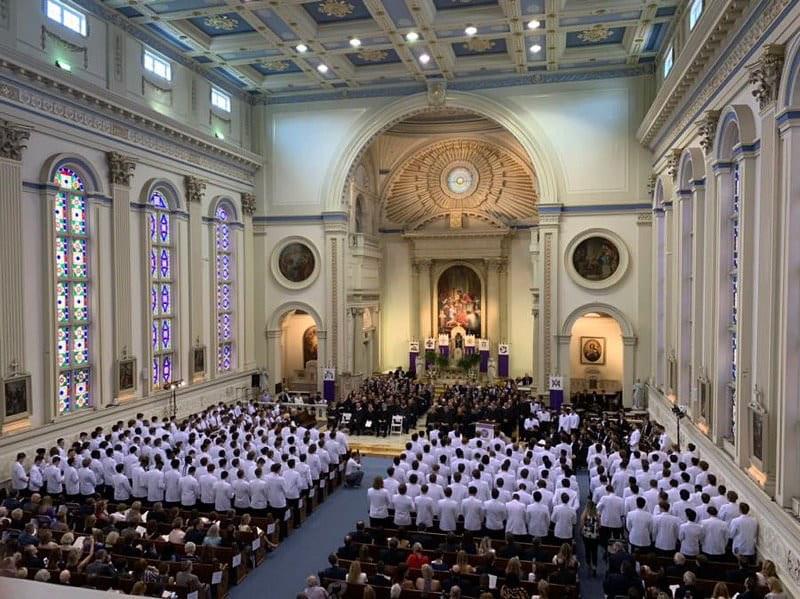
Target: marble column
{"x": 502, "y": 275}
{"x": 414, "y": 328}
{"x": 537, "y": 372}
{"x": 684, "y": 265}
{"x": 425, "y": 329}
{"x": 549, "y": 233}
{"x": 358, "y": 336}
{"x": 787, "y": 389}
{"x": 492, "y": 309}
{"x": 195, "y": 189}
{"x": 644, "y": 244}
{"x": 349, "y": 358}
{"x": 13, "y": 141}
{"x": 120, "y": 172}
{"x": 247, "y": 350}
{"x": 628, "y": 369}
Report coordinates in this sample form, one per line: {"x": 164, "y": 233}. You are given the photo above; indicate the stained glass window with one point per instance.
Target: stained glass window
{"x": 225, "y": 266}
{"x": 162, "y": 313}
{"x": 734, "y": 240}
{"x": 72, "y": 288}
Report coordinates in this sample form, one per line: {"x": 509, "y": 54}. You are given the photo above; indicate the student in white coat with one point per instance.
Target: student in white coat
{"x": 715, "y": 535}
{"x": 241, "y": 491}
{"x": 564, "y": 519}
{"x": 121, "y": 484}
{"x": 496, "y": 515}
{"x": 690, "y": 534}
{"x": 515, "y": 521}
{"x": 403, "y": 506}
{"x": 258, "y": 493}
{"x": 424, "y": 504}
{"x": 743, "y": 532}
{"x": 537, "y": 515}
{"x": 19, "y": 479}
{"x": 172, "y": 479}
{"x": 448, "y": 512}
{"x": 472, "y": 508}
{"x": 379, "y": 503}
{"x": 189, "y": 488}
{"x": 223, "y": 493}
{"x": 639, "y": 523}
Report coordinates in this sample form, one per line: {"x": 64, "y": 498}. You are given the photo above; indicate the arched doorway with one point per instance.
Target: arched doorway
{"x": 597, "y": 352}
{"x": 295, "y": 346}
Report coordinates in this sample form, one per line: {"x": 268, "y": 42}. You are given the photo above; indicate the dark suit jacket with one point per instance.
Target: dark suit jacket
{"x": 333, "y": 572}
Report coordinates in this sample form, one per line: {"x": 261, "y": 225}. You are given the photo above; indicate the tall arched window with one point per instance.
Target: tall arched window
{"x": 734, "y": 241}
{"x": 162, "y": 297}
{"x": 225, "y": 268}
{"x": 72, "y": 285}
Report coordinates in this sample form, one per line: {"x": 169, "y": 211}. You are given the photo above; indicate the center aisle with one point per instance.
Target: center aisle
{"x": 590, "y": 586}
{"x": 283, "y": 574}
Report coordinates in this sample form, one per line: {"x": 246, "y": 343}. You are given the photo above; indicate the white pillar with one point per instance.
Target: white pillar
{"x": 247, "y": 353}
{"x": 492, "y": 308}
{"x": 424, "y": 298}
{"x": 628, "y": 369}
{"x": 195, "y": 192}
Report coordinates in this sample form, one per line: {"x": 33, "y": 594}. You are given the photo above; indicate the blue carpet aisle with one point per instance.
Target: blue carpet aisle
{"x": 590, "y": 586}
{"x": 283, "y": 573}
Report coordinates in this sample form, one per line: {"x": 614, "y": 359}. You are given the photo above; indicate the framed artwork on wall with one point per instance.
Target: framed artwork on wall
{"x": 295, "y": 262}
{"x": 199, "y": 360}
{"x": 16, "y": 397}
{"x": 596, "y": 259}
{"x": 593, "y": 350}
{"x": 126, "y": 375}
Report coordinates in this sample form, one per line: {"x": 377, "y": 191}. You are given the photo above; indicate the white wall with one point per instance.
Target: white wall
{"x": 293, "y": 329}
{"x": 597, "y": 327}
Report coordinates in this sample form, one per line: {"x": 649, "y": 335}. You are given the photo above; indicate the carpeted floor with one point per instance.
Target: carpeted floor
{"x": 305, "y": 552}
{"x": 283, "y": 573}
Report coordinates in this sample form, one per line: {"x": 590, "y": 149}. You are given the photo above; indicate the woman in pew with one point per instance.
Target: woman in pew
{"x": 720, "y": 591}
{"x": 775, "y": 589}
{"x": 355, "y": 575}
{"x": 426, "y": 583}
{"x": 212, "y": 536}
{"x": 512, "y": 588}
{"x": 462, "y": 561}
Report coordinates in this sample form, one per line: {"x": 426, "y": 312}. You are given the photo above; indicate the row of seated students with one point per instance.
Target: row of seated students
{"x": 147, "y": 547}
{"x": 476, "y": 487}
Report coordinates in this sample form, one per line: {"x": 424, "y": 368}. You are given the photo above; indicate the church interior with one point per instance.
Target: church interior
{"x": 245, "y": 233}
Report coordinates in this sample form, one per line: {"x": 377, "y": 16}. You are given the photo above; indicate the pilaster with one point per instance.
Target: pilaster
{"x": 335, "y": 290}
{"x": 644, "y": 244}
{"x": 120, "y": 173}
{"x": 423, "y": 268}
{"x": 549, "y": 227}
{"x": 13, "y": 141}
{"x": 195, "y": 189}
{"x": 492, "y": 309}
{"x": 247, "y": 354}
{"x": 538, "y": 367}
{"x": 502, "y": 275}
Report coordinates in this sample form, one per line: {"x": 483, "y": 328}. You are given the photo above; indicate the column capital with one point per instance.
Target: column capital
{"x": 707, "y": 130}
{"x": 195, "y": 188}
{"x": 644, "y": 218}
{"x": 13, "y": 140}
{"x": 651, "y": 184}
{"x": 120, "y": 168}
{"x": 249, "y": 203}
{"x": 765, "y": 74}
{"x": 673, "y": 163}
{"x": 422, "y": 263}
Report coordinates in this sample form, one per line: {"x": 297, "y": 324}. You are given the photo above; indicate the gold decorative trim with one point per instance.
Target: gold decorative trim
{"x": 477, "y": 44}
{"x": 221, "y": 23}
{"x": 336, "y": 8}
{"x": 594, "y": 35}
{"x": 65, "y": 44}
{"x": 373, "y": 55}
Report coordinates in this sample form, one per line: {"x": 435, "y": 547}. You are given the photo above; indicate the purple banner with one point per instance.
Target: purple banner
{"x": 484, "y": 365}
{"x": 556, "y": 398}
{"x": 444, "y": 350}
{"x": 502, "y": 366}
{"x": 329, "y": 384}
{"x": 469, "y": 350}
{"x": 412, "y": 363}
{"x": 430, "y": 358}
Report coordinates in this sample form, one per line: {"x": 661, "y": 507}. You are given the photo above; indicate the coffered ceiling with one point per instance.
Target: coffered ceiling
{"x": 253, "y": 44}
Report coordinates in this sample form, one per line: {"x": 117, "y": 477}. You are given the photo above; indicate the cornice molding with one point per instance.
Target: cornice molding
{"x": 43, "y": 90}
{"x": 674, "y": 109}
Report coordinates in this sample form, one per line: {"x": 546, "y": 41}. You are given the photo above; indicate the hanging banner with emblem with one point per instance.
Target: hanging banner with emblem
{"x": 469, "y": 345}
{"x": 556, "y": 386}
{"x": 413, "y": 352}
{"x": 483, "y": 350}
{"x": 444, "y": 346}
{"x": 502, "y": 360}
{"x": 329, "y": 384}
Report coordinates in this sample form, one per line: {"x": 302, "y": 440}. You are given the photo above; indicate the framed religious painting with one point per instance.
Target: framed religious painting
{"x": 593, "y": 350}
{"x": 295, "y": 262}
{"x": 596, "y": 259}
{"x": 198, "y": 360}
{"x": 126, "y": 375}
{"x": 16, "y": 397}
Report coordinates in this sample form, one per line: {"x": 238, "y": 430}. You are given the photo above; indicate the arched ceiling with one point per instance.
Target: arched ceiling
{"x": 458, "y": 180}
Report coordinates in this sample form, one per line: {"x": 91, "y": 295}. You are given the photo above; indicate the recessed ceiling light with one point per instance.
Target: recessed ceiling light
{"x": 533, "y": 24}
{"x": 470, "y": 30}
{"x": 355, "y": 42}
{"x": 424, "y": 58}
{"x": 322, "y": 67}
{"x": 536, "y": 48}
{"x": 301, "y": 48}
{"x": 412, "y": 36}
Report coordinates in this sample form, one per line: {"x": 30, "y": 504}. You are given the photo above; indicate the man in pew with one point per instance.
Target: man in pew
{"x": 334, "y": 571}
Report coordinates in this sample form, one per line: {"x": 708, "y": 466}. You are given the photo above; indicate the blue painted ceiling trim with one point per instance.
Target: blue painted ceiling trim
{"x": 788, "y": 115}
{"x": 287, "y": 218}
{"x": 593, "y": 208}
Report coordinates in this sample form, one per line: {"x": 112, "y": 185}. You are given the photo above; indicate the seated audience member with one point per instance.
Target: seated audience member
{"x": 688, "y": 587}
{"x": 426, "y": 582}
{"x": 512, "y": 588}
{"x": 355, "y": 575}
{"x": 333, "y": 571}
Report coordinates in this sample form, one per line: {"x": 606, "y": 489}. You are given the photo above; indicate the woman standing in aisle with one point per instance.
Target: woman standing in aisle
{"x": 590, "y": 531}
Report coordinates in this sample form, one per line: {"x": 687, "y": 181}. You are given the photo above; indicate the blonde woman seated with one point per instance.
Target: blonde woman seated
{"x": 542, "y": 590}
{"x": 426, "y": 582}
{"x": 565, "y": 558}
{"x": 485, "y": 548}
{"x": 720, "y": 591}
{"x": 355, "y": 575}
{"x": 462, "y": 560}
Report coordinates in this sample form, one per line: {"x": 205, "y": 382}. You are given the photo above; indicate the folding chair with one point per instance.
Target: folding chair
{"x": 397, "y": 425}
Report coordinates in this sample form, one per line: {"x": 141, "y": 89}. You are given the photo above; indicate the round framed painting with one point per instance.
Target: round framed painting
{"x": 295, "y": 262}
{"x": 596, "y": 259}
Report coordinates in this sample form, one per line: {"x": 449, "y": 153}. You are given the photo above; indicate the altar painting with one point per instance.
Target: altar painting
{"x": 459, "y": 300}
